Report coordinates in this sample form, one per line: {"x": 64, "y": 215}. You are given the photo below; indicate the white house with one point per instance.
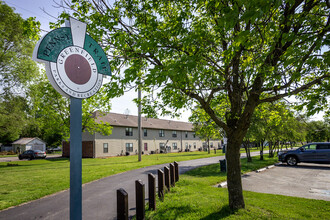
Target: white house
{"x": 24, "y": 144}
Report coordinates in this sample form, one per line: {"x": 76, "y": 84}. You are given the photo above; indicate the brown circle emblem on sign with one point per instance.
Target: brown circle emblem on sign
{"x": 77, "y": 69}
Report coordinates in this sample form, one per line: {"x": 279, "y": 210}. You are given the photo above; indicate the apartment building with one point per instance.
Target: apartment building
{"x": 158, "y": 136}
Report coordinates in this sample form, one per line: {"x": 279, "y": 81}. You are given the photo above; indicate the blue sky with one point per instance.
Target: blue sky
{"x": 34, "y": 8}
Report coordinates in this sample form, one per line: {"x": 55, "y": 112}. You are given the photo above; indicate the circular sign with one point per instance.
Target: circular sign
{"x": 75, "y": 73}
{"x": 75, "y": 63}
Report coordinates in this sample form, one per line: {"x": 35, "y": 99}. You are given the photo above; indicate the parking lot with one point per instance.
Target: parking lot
{"x": 305, "y": 180}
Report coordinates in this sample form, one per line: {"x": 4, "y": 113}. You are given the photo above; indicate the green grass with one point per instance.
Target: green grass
{"x": 194, "y": 197}
{"x": 55, "y": 153}
{"x": 24, "y": 181}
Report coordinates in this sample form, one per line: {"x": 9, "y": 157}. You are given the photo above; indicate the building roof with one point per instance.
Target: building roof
{"x": 24, "y": 141}
{"x": 115, "y": 119}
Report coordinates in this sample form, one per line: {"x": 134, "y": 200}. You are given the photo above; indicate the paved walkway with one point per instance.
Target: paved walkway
{"x": 99, "y": 197}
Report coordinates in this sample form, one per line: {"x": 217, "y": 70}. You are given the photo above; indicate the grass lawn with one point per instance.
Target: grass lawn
{"x": 23, "y": 181}
{"x": 194, "y": 197}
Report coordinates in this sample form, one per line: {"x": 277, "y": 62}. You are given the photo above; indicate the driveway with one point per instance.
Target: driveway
{"x": 305, "y": 180}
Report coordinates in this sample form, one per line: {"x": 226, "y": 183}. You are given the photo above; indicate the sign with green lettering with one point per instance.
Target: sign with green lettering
{"x": 75, "y": 62}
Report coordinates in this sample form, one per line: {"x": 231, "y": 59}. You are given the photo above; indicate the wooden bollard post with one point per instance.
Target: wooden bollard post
{"x": 160, "y": 184}
{"x": 140, "y": 199}
{"x": 152, "y": 191}
{"x": 176, "y": 165}
{"x": 172, "y": 174}
{"x": 122, "y": 204}
{"x": 167, "y": 178}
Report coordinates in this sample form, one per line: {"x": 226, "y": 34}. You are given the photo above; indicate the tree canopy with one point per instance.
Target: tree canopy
{"x": 17, "y": 70}
{"x": 17, "y": 40}
{"x": 241, "y": 53}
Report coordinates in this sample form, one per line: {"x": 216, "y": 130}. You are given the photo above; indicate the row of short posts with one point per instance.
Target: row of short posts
{"x": 166, "y": 180}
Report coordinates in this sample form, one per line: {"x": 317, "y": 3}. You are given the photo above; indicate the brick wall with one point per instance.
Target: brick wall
{"x": 87, "y": 149}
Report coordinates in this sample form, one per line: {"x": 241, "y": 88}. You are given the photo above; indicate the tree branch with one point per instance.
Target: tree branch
{"x": 296, "y": 91}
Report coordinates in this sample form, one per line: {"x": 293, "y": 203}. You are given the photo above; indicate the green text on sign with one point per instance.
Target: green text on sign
{"x": 94, "y": 49}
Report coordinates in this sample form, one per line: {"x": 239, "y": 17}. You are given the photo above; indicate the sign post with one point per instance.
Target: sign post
{"x": 75, "y": 65}
{"x": 75, "y": 159}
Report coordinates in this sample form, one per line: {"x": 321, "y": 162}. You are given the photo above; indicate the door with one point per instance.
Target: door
{"x": 322, "y": 153}
{"x": 309, "y": 153}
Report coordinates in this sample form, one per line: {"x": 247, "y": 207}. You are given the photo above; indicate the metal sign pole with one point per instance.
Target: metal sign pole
{"x": 75, "y": 159}
{"x": 74, "y": 65}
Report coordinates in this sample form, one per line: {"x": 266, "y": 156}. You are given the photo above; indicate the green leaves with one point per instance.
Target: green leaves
{"x": 31, "y": 28}
{"x": 17, "y": 38}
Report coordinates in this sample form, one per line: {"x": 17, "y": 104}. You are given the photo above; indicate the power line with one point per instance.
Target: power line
{"x": 10, "y": 3}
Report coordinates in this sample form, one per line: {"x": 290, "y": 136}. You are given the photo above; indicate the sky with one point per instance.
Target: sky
{"x": 46, "y": 11}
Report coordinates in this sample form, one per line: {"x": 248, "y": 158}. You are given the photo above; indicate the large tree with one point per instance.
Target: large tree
{"x": 17, "y": 70}
{"x": 243, "y": 53}
{"x": 317, "y": 131}
{"x": 13, "y": 112}
{"x": 17, "y": 40}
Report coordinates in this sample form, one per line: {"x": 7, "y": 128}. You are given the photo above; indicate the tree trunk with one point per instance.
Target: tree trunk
{"x": 261, "y": 150}
{"x": 247, "y": 150}
{"x": 208, "y": 145}
{"x": 248, "y": 155}
{"x": 234, "y": 181}
{"x": 271, "y": 149}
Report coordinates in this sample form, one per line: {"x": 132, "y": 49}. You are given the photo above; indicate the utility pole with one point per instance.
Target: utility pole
{"x": 139, "y": 123}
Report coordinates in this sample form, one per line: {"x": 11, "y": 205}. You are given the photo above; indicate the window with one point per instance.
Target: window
{"x": 161, "y": 133}
{"x": 129, "y": 147}
{"x": 145, "y": 132}
{"x": 174, "y": 134}
{"x": 194, "y": 145}
{"x": 129, "y": 131}
{"x": 186, "y": 134}
{"x": 105, "y": 148}
{"x": 311, "y": 147}
{"x": 162, "y": 146}
{"x": 186, "y": 145}
{"x": 211, "y": 144}
{"x": 194, "y": 135}
{"x": 145, "y": 146}
{"x": 175, "y": 146}
{"x": 323, "y": 146}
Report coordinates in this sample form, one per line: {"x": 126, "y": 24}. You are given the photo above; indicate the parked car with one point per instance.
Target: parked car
{"x": 32, "y": 154}
{"x": 318, "y": 152}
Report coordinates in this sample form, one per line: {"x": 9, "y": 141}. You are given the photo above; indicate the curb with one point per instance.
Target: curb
{"x": 224, "y": 184}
